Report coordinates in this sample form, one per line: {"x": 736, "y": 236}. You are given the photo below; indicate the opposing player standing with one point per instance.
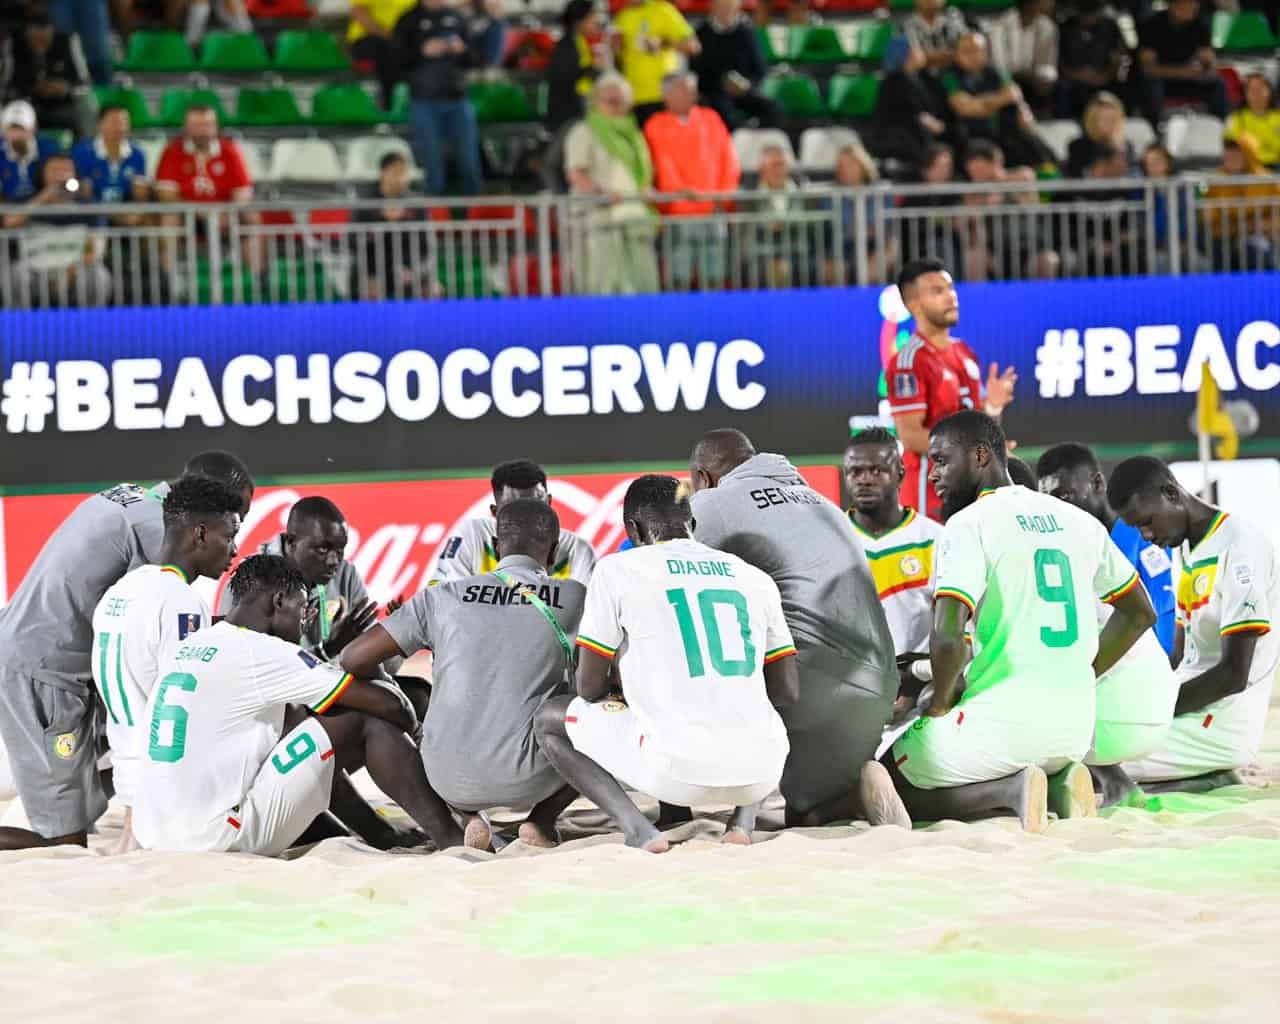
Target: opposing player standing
{"x": 698, "y": 641}
{"x": 934, "y": 375}
{"x": 1228, "y": 592}
{"x": 1025, "y": 568}
{"x": 142, "y": 619}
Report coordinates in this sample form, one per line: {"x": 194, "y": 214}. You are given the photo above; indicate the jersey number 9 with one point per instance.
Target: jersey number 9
{"x": 1052, "y": 561}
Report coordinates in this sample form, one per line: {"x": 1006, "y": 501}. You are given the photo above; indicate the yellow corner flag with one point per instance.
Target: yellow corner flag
{"x": 1211, "y": 419}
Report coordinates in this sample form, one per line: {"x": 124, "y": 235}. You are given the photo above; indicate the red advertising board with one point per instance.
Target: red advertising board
{"x": 396, "y": 529}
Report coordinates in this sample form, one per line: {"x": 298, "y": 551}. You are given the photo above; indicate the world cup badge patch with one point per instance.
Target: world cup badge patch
{"x": 65, "y": 745}
{"x": 188, "y": 623}
{"x": 905, "y": 385}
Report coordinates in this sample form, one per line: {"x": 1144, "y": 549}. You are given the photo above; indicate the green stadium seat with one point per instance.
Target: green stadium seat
{"x": 1246, "y": 32}
{"x": 400, "y": 98}
{"x": 771, "y": 55}
{"x": 307, "y": 52}
{"x": 500, "y": 103}
{"x": 797, "y": 95}
{"x": 345, "y": 104}
{"x": 873, "y": 39}
{"x": 131, "y": 99}
{"x": 262, "y": 108}
{"x": 174, "y": 104}
{"x": 814, "y": 44}
{"x": 902, "y": 6}
{"x": 234, "y": 51}
{"x": 158, "y": 51}
{"x": 853, "y": 95}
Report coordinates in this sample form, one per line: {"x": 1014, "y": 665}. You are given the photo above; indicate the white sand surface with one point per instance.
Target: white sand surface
{"x": 1169, "y": 914}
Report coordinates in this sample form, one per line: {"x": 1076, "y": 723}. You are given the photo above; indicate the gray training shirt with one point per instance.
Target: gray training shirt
{"x": 765, "y": 513}
{"x": 46, "y": 631}
{"x": 497, "y": 659}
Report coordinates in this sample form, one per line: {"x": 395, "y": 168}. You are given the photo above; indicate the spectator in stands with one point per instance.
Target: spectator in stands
{"x": 369, "y": 39}
{"x": 911, "y": 117}
{"x": 731, "y": 66}
{"x": 114, "y": 167}
{"x": 778, "y": 246}
{"x": 231, "y": 13}
{"x": 1175, "y": 51}
{"x": 580, "y": 57}
{"x": 59, "y": 261}
{"x": 692, "y": 153}
{"x": 988, "y": 106}
{"x": 1022, "y": 247}
{"x": 21, "y": 153}
{"x": 653, "y": 37}
{"x": 1103, "y": 132}
{"x": 855, "y": 168}
{"x": 436, "y": 50}
{"x": 935, "y": 29}
{"x": 606, "y": 157}
{"x": 1024, "y": 45}
{"x": 1242, "y": 235}
{"x": 934, "y": 235}
{"x": 1158, "y": 164}
{"x": 1092, "y": 53}
{"x": 90, "y": 21}
{"x": 488, "y": 30}
{"x": 392, "y": 264}
{"x": 1109, "y": 243}
{"x": 1258, "y": 118}
{"x": 48, "y": 68}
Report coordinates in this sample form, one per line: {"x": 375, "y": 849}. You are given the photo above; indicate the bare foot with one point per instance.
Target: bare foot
{"x": 658, "y": 844}
{"x": 1071, "y": 793}
{"x": 477, "y": 834}
{"x": 1032, "y": 799}
{"x": 880, "y": 801}
{"x": 532, "y": 835}
{"x": 736, "y": 837}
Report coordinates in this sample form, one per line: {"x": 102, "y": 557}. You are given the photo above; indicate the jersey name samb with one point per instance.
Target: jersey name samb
{"x": 472, "y": 552}
{"x": 137, "y": 627}
{"x": 691, "y": 629}
{"x": 1030, "y": 569}
{"x": 212, "y": 720}
{"x": 902, "y": 565}
{"x": 1228, "y": 583}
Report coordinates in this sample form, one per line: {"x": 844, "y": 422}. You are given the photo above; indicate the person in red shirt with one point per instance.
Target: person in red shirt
{"x": 692, "y": 153}
{"x": 934, "y": 375}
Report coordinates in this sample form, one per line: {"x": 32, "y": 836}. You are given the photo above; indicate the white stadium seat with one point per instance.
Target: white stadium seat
{"x": 751, "y": 142}
{"x": 1139, "y": 134}
{"x": 305, "y": 161}
{"x": 819, "y": 146}
{"x": 1194, "y": 139}
{"x": 152, "y": 147}
{"x": 1058, "y": 135}
{"x": 365, "y": 153}
{"x": 259, "y": 172}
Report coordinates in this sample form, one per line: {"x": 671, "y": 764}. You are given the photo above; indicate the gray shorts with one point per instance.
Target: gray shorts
{"x": 51, "y": 735}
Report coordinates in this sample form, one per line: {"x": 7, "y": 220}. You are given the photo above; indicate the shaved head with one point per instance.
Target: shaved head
{"x": 719, "y": 452}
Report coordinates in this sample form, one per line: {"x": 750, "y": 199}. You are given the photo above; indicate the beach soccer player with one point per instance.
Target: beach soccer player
{"x": 697, "y": 640}
{"x": 248, "y": 734}
{"x": 143, "y": 618}
{"x": 502, "y": 644}
{"x": 1026, "y": 569}
{"x": 1228, "y": 590}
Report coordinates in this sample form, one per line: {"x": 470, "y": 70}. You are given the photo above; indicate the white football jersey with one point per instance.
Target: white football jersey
{"x": 137, "y": 627}
{"x": 691, "y": 629}
{"x": 212, "y": 721}
{"x": 902, "y": 566}
{"x": 471, "y": 552}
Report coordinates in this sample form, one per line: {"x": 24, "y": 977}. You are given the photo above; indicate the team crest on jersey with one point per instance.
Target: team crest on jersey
{"x": 613, "y": 705}
{"x": 188, "y": 623}
{"x": 905, "y": 385}
{"x": 65, "y": 745}
{"x": 1200, "y": 585}
{"x": 910, "y": 565}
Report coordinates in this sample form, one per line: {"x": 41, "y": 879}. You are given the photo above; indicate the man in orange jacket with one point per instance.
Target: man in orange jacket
{"x": 692, "y": 155}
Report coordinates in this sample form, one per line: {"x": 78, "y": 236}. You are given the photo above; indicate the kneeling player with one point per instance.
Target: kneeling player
{"x": 1228, "y": 589}
{"x": 1026, "y": 568}
{"x": 248, "y": 734}
{"x": 703, "y": 654}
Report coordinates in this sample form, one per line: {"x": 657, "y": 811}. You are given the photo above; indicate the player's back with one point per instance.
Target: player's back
{"x": 472, "y": 551}
{"x": 47, "y": 628}
{"x": 697, "y": 624}
{"x": 765, "y": 513}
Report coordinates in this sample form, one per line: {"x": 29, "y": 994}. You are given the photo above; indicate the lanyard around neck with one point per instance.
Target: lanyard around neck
{"x": 531, "y": 595}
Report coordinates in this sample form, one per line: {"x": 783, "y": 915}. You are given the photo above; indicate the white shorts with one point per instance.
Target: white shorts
{"x": 1225, "y": 735}
{"x": 291, "y": 790}
{"x": 609, "y": 733}
{"x": 1135, "y": 707}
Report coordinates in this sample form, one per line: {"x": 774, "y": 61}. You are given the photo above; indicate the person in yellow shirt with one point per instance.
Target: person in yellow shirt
{"x": 1259, "y": 118}
{"x": 369, "y": 38}
{"x": 652, "y": 37}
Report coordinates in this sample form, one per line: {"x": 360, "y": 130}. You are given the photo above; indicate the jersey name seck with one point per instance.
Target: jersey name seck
{"x": 902, "y": 565}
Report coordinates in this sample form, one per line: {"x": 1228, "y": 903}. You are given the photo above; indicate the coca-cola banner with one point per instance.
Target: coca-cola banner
{"x": 396, "y": 529}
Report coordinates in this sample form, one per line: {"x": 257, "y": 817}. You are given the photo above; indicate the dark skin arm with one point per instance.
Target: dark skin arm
{"x": 593, "y": 675}
{"x": 363, "y": 656}
{"x": 1132, "y": 616}
{"x": 1230, "y": 675}
{"x": 782, "y": 682}
{"x": 948, "y": 654}
{"x": 383, "y": 702}
{"x": 596, "y": 679}
{"x": 1179, "y": 646}
{"x": 349, "y": 627}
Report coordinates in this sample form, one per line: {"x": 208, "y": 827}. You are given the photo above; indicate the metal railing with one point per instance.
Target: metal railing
{"x": 812, "y": 236}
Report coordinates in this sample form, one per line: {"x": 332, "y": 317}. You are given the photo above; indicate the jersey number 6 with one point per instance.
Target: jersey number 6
{"x": 172, "y": 751}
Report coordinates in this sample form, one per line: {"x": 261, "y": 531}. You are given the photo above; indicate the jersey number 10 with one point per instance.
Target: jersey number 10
{"x": 693, "y": 651}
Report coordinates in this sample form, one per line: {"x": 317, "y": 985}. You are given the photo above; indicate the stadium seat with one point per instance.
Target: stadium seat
{"x": 365, "y": 154}
{"x": 159, "y": 52}
{"x": 1195, "y": 139}
{"x": 797, "y": 95}
{"x": 853, "y": 95}
{"x": 873, "y": 39}
{"x": 174, "y": 104}
{"x": 748, "y": 143}
{"x": 131, "y": 99}
{"x": 233, "y": 52}
{"x": 814, "y": 44}
{"x": 345, "y": 104}
{"x": 280, "y": 10}
{"x": 305, "y": 161}
{"x": 400, "y": 98}
{"x": 333, "y": 10}
{"x": 262, "y": 108}
{"x": 259, "y": 170}
{"x": 1246, "y": 32}
{"x": 1058, "y": 135}
{"x": 819, "y": 147}
{"x": 152, "y": 147}
{"x": 1139, "y": 134}
{"x": 770, "y": 51}
{"x": 309, "y": 52}
{"x": 500, "y": 103}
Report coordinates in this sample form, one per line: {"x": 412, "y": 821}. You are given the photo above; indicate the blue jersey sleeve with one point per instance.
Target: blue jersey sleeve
{"x": 1155, "y": 568}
